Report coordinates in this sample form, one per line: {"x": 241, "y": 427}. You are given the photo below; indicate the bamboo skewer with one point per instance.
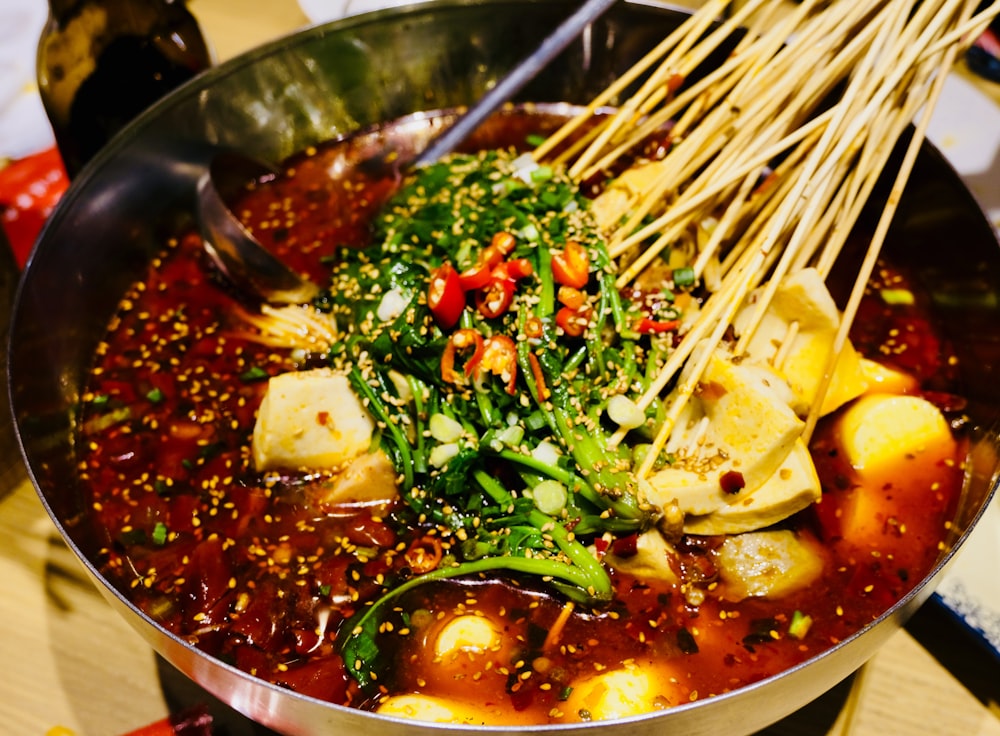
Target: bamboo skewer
{"x": 710, "y": 9}
{"x": 878, "y": 238}
{"x": 891, "y": 59}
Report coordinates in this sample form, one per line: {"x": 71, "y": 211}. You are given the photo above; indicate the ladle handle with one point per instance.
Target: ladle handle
{"x": 514, "y": 80}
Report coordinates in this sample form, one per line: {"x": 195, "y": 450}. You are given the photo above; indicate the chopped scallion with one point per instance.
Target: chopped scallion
{"x": 799, "y": 626}
{"x": 897, "y": 296}
{"x": 256, "y": 373}
{"x": 160, "y": 533}
{"x": 684, "y": 276}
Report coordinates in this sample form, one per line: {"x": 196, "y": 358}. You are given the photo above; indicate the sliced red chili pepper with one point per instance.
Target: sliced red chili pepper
{"x": 461, "y": 341}
{"x": 500, "y": 359}
{"x": 626, "y": 546}
{"x": 648, "y": 326}
{"x": 475, "y": 277}
{"x": 570, "y": 297}
{"x": 515, "y": 269}
{"x": 502, "y": 244}
{"x": 573, "y": 321}
{"x": 445, "y": 296}
{"x": 533, "y": 327}
{"x": 541, "y": 389}
{"x": 494, "y": 299}
{"x": 571, "y": 266}
{"x": 424, "y": 554}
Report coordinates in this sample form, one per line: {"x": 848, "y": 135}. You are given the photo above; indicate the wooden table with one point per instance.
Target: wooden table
{"x": 72, "y": 666}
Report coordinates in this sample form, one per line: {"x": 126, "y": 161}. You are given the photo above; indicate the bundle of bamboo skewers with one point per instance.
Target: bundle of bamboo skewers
{"x": 758, "y": 149}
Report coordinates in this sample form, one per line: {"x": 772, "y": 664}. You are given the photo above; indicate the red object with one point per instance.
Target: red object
{"x": 572, "y": 266}
{"x": 494, "y": 299}
{"x": 570, "y": 297}
{"x": 478, "y": 276}
{"x": 461, "y": 341}
{"x": 194, "y": 721}
{"x": 500, "y": 359}
{"x": 541, "y": 390}
{"x": 29, "y": 189}
{"x": 626, "y": 546}
{"x": 647, "y": 326}
{"x": 445, "y": 296}
{"x": 573, "y": 322}
{"x": 732, "y": 482}
{"x": 475, "y": 277}
{"x": 515, "y": 269}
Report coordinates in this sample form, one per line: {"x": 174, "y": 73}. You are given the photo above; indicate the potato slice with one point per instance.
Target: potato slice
{"x": 310, "y": 419}
{"x": 792, "y": 488}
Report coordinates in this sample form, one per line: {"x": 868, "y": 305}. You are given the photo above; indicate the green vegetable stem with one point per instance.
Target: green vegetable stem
{"x": 485, "y": 335}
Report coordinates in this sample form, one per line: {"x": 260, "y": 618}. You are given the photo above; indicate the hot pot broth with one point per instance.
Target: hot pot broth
{"x": 266, "y": 570}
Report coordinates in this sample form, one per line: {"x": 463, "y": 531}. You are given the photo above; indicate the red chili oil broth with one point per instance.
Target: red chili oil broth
{"x": 255, "y": 574}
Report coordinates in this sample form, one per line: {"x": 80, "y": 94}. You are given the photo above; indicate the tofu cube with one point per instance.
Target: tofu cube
{"x": 310, "y": 419}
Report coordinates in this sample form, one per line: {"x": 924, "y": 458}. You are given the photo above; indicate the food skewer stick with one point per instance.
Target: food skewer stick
{"x": 863, "y": 181}
{"x": 689, "y": 156}
{"x": 634, "y": 118}
{"x": 710, "y": 9}
{"x": 966, "y": 32}
{"x": 693, "y": 198}
{"x": 697, "y": 97}
{"x": 837, "y": 196}
{"x": 652, "y": 197}
{"x": 845, "y": 322}
{"x": 840, "y": 152}
{"x": 723, "y": 77}
{"x": 750, "y": 72}
{"x": 724, "y": 226}
{"x": 896, "y": 125}
{"x": 730, "y": 293}
{"x": 637, "y": 123}
{"x": 878, "y": 238}
{"x": 663, "y": 75}
{"x": 742, "y": 284}
{"x": 773, "y": 190}
{"x": 857, "y": 185}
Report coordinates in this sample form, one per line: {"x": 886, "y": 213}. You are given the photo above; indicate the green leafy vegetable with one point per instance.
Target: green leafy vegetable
{"x": 524, "y": 401}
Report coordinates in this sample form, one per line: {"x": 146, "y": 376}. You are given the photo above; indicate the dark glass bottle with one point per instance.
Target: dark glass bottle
{"x": 102, "y": 62}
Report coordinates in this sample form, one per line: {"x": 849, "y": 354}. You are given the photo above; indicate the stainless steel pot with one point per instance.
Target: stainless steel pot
{"x": 328, "y": 81}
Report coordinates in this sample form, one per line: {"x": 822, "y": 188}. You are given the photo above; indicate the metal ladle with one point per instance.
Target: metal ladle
{"x": 251, "y": 267}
